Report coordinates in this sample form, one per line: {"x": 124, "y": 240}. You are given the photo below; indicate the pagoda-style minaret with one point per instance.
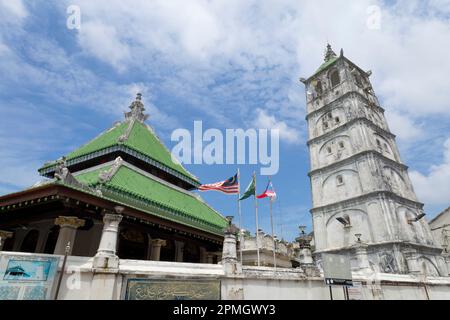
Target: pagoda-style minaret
{"x": 359, "y": 184}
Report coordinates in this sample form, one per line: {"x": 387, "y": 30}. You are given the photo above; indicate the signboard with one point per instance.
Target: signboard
{"x": 355, "y": 292}
{"x": 153, "y": 289}
{"x": 27, "y": 277}
{"x": 337, "y": 270}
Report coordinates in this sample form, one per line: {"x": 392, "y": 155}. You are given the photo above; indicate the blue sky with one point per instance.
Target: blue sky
{"x": 231, "y": 64}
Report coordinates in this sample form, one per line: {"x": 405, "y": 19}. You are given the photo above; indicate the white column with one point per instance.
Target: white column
{"x": 362, "y": 257}
{"x": 179, "y": 248}
{"x": 229, "y": 255}
{"x": 411, "y": 258}
{"x": 306, "y": 255}
{"x": 3, "y": 236}
{"x": 106, "y": 262}
{"x": 106, "y": 254}
{"x": 67, "y": 233}
{"x": 156, "y": 248}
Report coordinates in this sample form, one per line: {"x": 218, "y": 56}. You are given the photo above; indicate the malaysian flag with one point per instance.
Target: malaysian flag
{"x": 229, "y": 186}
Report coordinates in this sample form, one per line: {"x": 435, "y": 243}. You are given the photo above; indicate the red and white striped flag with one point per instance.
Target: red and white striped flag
{"x": 229, "y": 186}
{"x": 269, "y": 192}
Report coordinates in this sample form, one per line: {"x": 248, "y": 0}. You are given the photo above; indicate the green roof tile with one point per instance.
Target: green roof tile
{"x": 104, "y": 140}
{"x": 139, "y": 186}
{"x": 90, "y": 178}
{"x": 325, "y": 65}
{"x": 140, "y": 138}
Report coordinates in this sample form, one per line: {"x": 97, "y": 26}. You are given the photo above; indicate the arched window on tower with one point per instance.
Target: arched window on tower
{"x": 318, "y": 88}
{"x": 335, "y": 78}
{"x": 339, "y": 180}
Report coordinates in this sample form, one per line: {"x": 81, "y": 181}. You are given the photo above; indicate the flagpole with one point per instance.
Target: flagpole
{"x": 273, "y": 237}
{"x": 240, "y": 215}
{"x": 257, "y": 225}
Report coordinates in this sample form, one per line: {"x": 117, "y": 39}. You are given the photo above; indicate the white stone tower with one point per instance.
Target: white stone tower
{"x": 359, "y": 184}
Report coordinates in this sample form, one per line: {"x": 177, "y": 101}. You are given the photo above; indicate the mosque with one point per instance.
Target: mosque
{"x": 117, "y": 218}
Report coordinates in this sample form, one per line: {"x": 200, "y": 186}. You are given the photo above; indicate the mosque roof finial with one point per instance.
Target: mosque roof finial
{"x": 137, "y": 110}
{"x": 329, "y": 53}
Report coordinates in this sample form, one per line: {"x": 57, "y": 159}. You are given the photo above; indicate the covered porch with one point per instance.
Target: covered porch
{"x": 45, "y": 219}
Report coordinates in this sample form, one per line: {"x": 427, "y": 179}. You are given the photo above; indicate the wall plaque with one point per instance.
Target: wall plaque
{"x": 27, "y": 276}
{"x": 190, "y": 289}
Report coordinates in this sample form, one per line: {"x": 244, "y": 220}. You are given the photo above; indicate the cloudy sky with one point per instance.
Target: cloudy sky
{"x": 231, "y": 64}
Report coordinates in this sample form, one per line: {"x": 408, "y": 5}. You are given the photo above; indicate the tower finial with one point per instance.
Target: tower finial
{"x": 137, "y": 110}
{"x": 329, "y": 53}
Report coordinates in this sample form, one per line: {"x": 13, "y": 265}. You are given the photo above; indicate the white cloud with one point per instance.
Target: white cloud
{"x": 433, "y": 188}
{"x": 403, "y": 126}
{"x": 261, "y": 48}
{"x": 265, "y": 121}
{"x": 14, "y": 7}
{"x": 103, "y": 42}
{"x": 225, "y": 58}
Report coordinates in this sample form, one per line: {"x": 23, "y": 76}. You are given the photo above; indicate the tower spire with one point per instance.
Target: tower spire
{"x": 137, "y": 110}
{"x": 329, "y": 53}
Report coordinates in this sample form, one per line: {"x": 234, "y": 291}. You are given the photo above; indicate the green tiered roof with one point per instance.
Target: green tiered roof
{"x": 122, "y": 182}
{"x": 330, "y": 59}
{"x": 131, "y": 136}
{"x": 130, "y": 185}
{"x": 326, "y": 64}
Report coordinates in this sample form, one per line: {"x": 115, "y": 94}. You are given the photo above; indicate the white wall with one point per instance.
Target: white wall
{"x": 256, "y": 283}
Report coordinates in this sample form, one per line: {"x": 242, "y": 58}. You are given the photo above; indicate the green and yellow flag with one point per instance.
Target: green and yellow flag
{"x": 251, "y": 190}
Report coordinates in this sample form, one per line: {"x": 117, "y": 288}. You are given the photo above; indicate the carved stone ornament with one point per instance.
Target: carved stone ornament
{"x": 387, "y": 263}
{"x": 74, "y": 222}
{"x": 63, "y": 174}
{"x": 105, "y": 176}
{"x": 137, "y": 110}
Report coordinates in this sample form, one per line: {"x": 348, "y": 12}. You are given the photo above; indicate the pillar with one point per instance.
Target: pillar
{"x": 67, "y": 233}
{"x": 305, "y": 255}
{"x": 179, "y": 248}
{"x": 362, "y": 257}
{"x": 3, "y": 236}
{"x": 106, "y": 263}
{"x": 412, "y": 262}
{"x": 156, "y": 248}
{"x": 106, "y": 257}
{"x": 229, "y": 255}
